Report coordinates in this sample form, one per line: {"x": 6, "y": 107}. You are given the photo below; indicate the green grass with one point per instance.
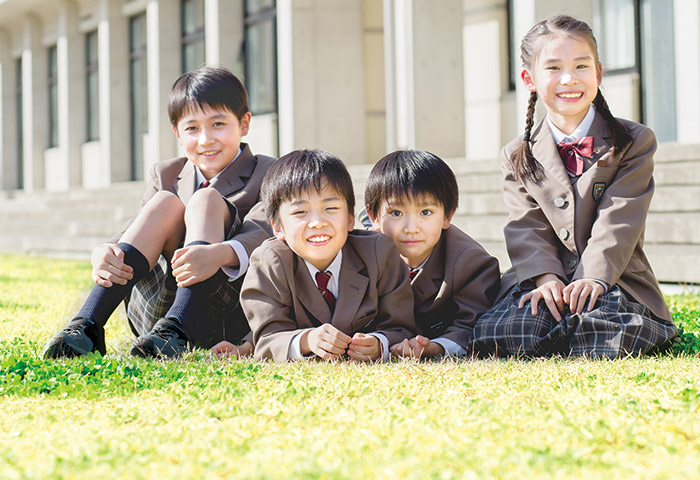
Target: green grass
{"x": 119, "y": 417}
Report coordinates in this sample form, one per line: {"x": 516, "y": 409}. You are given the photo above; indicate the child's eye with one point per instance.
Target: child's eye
{"x": 426, "y": 212}
{"x": 580, "y": 67}
{"x": 218, "y": 124}
{"x": 332, "y": 209}
{"x": 395, "y": 213}
{"x": 298, "y": 212}
{"x": 551, "y": 67}
{"x": 190, "y": 129}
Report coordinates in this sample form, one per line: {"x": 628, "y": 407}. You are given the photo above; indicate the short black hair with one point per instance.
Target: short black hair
{"x": 411, "y": 174}
{"x": 216, "y": 87}
{"x": 297, "y": 172}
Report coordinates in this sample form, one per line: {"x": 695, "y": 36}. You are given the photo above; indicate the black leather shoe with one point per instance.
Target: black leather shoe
{"x": 80, "y": 337}
{"x": 167, "y": 339}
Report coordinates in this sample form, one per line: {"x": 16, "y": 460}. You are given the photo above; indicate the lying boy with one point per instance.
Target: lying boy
{"x": 183, "y": 296}
{"x": 320, "y": 288}
{"x": 411, "y": 196}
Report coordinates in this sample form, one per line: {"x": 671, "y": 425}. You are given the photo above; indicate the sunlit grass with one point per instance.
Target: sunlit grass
{"x": 119, "y": 417}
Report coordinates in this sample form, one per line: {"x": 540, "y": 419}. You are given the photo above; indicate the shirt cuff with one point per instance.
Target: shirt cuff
{"x": 451, "y": 348}
{"x": 384, "y": 341}
{"x": 295, "y": 347}
{"x": 234, "y": 273}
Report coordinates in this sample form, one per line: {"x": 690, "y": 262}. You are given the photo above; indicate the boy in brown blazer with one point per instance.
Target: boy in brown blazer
{"x": 320, "y": 288}
{"x": 183, "y": 295}
{"x": 411, "y": 196}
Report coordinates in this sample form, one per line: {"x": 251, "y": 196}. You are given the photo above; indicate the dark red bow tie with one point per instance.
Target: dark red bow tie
{"x": 569, "y": 150}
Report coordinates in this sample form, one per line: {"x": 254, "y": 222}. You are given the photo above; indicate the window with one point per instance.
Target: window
{"x": 53, "y": 97}
{"x": 261, "y": 55}
{"x": 20, "y": 124}
{"x": 138, "y": 77}
{"x": 192, "y": 34}
{"x": 93, "y": 88}
{"x": 636, "y": 37}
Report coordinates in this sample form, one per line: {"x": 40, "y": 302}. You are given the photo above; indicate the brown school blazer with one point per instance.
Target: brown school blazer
{"x": 280, "y": 299}
{"x": 458, "y": 283}
{"x": 593, "y": 228}
{"x": 239, "y": 184}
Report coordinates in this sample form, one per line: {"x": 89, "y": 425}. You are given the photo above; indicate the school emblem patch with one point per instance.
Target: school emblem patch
{"x": 598, "y": 189}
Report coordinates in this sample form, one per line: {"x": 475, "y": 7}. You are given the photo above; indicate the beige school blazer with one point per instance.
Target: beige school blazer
{"x": 239, "y": 184}
{"x": 458, "y": 283}
{"x": 591, "y": 228}
{"x": 280, "y": 299}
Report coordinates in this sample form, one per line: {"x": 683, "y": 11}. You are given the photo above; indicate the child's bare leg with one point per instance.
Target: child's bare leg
{"x": 158, "y": 228}
{"x": 207, "y": 216}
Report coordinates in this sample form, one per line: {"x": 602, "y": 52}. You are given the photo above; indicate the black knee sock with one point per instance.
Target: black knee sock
{"x": 103, "y": 300}
{"x": 192, "y": 300}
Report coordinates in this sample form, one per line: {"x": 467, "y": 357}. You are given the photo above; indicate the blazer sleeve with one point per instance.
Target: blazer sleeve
{"x": 530, "y": 239}
{"x": 622, "y": 212}
{"x": 255, "y": 229}
{"x": 395, "y": 318}
{"x": 153, "y": 186}
{"x": 477, "y": 280}
{"x": 267, "y": 302}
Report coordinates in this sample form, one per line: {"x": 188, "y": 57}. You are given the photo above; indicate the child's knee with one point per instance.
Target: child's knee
{"x": 207, "y": 200}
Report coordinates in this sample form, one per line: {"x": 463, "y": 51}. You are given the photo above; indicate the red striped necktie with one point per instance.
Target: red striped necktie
{"x": 322, "y": 279}
{"x": 204, "y": 184}
{"x": 571, "y": 153}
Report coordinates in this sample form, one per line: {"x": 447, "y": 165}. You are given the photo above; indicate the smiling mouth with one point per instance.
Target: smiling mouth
{"x": 319, "y": 239}
{"x": 570, "y": 96}
{"x": 209, "y": 153}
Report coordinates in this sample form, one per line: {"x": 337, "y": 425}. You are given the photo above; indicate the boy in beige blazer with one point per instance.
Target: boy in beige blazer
{"x": 182, "y": 296}
{"x": 411, "y": 196}
{"x": 320, "y": 288}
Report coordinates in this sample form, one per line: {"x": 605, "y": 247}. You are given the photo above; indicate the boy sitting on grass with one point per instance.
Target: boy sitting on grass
{"x": 411, "y": 196}
{"x": 181, "y": 296}
{"x": 320, "y": 288}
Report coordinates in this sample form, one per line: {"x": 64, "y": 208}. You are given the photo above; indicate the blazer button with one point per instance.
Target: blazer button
{"x": 572, "y": 263}
{"x": 563, "y": 234}
{"x": 559, "y": 202}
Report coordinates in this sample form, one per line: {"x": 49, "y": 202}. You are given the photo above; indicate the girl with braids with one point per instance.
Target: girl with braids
{"x": 577, "y": 187}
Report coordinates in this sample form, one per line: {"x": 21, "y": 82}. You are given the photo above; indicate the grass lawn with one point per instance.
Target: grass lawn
{"x": 118, "y": 417}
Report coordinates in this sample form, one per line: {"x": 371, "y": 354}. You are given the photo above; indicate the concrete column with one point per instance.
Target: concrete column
{"x": 329, "y": 99}
{"x": 8, "y": 108}
{"x": 63, "y": 164}
{"x": 375, "y": 98}
{"x": 687, "y": 49}
{"x": 224, "y": 32}
{"x": 164, "y": 61}
{"x": 34, "y": 103}
{"x": 113, "y": 162}
{"x": 285, "y": 76}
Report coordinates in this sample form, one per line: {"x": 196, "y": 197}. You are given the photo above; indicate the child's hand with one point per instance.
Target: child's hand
{"x": 196, "y": 263}
{"x": 108, "y": 266}
{"x": 325, "y": 341}
{"x": 576, "y": 293}
{"x": 364, "y": 348}
{"x": 549, "y": 288}
{"x": 417, "y": 347}
{"x": 228, "y": 349}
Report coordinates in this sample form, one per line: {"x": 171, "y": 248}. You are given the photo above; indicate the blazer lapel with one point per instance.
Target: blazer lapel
{"x": 186, "y": 182}
{"x": 353, "y": 283}
{"x": 545, "y": 151}
{"x": 428, "y": 281}
{"x": 309, "y": 295}
{"x": 601, "y": 143}
{"x": 235, "y": 176}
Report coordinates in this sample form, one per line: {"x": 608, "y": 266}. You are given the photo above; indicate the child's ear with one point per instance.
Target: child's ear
{"x": 176, "y": 132}
{"x": 447, "y": 221}
{"x": 599, "y": 73}
{"x": 277, "y": 230}
{"x": 527, "y": 80}
{"x": 245, "y": 124}
{"x": 351, "y": 222}
{"x": 375, "y": 223}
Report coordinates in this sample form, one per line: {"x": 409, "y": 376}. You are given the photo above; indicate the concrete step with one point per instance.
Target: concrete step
{"x": 677, "y": 173}
{"x": 674, "y": 263}
{"x": 676, "y": 198}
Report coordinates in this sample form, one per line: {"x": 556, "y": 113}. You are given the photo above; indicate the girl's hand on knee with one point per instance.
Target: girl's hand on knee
{"x": 576, "y": 293}
{"x": 550, "y": 289}
{"x": 108, "y": 266}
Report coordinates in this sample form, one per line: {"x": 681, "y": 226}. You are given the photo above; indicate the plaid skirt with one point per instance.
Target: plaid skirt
{"x": 617, "y": 326}
{"x": 153, "y": 295}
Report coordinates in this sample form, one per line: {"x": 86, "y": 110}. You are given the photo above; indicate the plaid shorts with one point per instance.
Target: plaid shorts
{"x": 153, "y": 295}
{"x": 617, "y": 326}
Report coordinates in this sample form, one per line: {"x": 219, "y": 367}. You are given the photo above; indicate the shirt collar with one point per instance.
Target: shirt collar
{"x": 200, "y": 176}
{"x": 333, "y": 268}
{"x": 581, "y": 130}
